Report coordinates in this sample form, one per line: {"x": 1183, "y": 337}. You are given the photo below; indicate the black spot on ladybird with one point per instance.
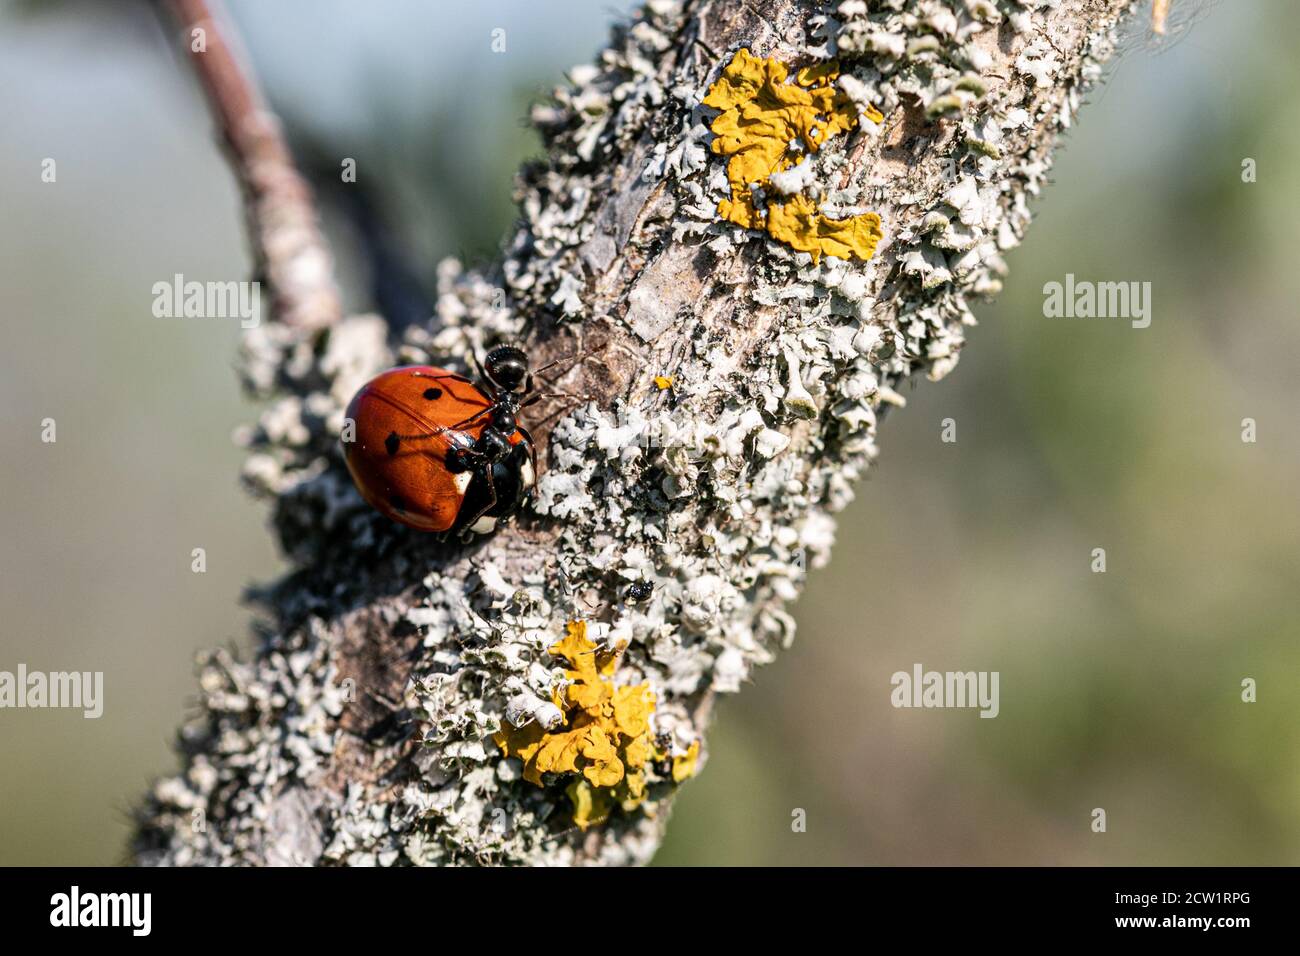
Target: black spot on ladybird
{"x": 398, "y": 503}
{"x": 392, "y": 443}
{"x": 433, "y": 394}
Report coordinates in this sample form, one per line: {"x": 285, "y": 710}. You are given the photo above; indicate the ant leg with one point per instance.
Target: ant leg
{"x": 418, "y": 436}
{"x": 394, "y": 442}
{"x": 467, "y": 421}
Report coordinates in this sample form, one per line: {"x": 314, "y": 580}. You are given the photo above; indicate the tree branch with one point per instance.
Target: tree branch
{"x": 735, "y": 388}
{"x": 290, "y": 251}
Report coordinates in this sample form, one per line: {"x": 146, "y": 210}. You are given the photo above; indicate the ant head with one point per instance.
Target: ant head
{"x": 506, "y": 367}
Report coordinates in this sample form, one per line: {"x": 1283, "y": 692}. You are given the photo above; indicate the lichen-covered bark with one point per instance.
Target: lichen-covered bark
{"x": 361, "y": 731}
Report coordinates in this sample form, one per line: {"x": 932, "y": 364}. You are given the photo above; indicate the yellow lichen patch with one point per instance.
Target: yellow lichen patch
{"x": 605, "y": 739}
{"x": 802, "y": 227}
{"x": 663, "y": 382}
{"x": 590, "y": 806}
{"x": 684, "y": 765}
{"x": 762, "y": 114}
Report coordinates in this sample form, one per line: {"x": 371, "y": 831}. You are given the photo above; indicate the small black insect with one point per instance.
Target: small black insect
{"x": 640, "y": 591}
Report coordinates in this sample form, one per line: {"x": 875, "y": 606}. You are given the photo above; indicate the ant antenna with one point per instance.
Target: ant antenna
{"x": 479, "y": 365}
{"x": 577, "y": 359}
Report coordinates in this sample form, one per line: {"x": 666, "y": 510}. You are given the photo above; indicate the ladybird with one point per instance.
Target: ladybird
{"x": 439, "y": 452}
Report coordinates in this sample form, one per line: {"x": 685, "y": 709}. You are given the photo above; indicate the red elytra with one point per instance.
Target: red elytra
{"x": 437, "y": 452}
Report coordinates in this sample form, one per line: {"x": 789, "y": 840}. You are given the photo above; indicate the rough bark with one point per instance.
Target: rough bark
{"x": 360, "y": 730}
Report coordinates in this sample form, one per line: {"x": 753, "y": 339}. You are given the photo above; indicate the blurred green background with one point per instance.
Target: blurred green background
{"x": 1118, "y": 690}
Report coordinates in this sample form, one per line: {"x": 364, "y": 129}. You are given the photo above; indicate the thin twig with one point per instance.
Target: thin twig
{"x": 1159, "y": 15}
{"x": 291, "y": 253}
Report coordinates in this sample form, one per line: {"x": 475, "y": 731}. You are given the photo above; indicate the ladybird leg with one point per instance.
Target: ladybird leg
{"x": 468, "y": 459}
{"x": 532, "y": 455}
{"x": 467, "y": 529}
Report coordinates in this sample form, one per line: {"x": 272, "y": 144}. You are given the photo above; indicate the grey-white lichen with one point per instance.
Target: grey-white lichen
{"x": 361, "y": 732}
